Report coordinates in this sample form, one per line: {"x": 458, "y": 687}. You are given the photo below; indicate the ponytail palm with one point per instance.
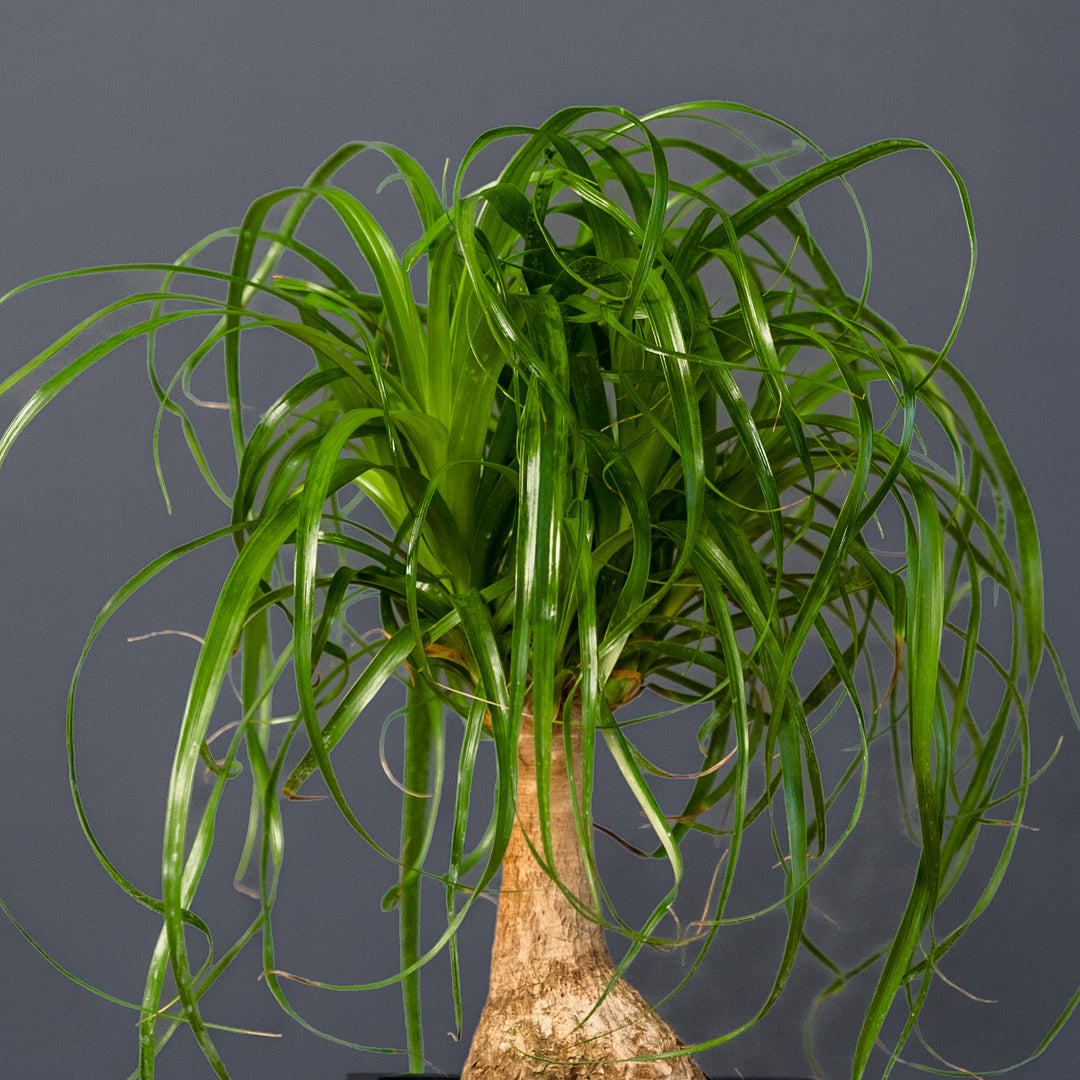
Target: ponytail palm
{"x": 611, "y": 424}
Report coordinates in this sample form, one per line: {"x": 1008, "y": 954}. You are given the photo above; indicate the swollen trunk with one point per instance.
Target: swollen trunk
{"x": 550, "y": 965}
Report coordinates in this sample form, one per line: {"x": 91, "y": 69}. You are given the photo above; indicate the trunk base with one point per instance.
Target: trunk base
{"x": 537, "y": 1033}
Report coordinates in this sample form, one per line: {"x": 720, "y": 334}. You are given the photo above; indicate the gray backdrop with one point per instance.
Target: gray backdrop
{"x": 129, "y": 130}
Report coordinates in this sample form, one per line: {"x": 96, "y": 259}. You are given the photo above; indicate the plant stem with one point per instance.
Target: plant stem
{"x": 550, "y": 964}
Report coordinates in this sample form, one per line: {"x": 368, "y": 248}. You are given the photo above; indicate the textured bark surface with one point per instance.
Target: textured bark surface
{"x": 550, "y": 964}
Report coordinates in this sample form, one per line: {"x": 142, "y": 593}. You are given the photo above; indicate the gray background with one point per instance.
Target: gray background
{"x": 129, "y": 130}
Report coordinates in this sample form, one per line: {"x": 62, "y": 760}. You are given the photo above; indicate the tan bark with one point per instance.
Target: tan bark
{"x": 550, "y": 964}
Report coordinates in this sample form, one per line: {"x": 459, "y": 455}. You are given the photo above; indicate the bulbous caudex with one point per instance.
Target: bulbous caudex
{"x": 550, "y": 964}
